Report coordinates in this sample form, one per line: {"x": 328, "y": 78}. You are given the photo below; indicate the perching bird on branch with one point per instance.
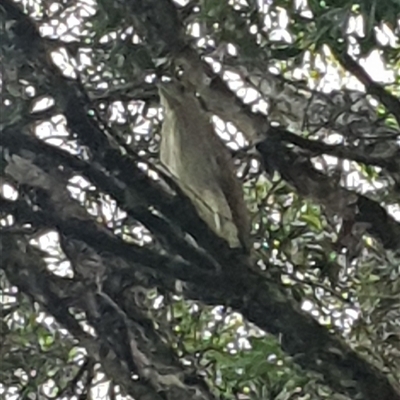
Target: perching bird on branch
{"x": 202, "y": 165}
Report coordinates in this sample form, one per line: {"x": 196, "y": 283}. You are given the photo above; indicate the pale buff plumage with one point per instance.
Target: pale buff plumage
{"x": 202, "y": 165}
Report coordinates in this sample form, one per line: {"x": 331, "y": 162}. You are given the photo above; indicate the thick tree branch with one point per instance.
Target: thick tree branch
{"x": 135, "y": 194}
{"x": 309, "y": 343}
{"x": 300, "y": 173}
{"x": 375, "y": 89}
{"x": 161, "y": 375}
{"x": 316, "y": 147}
{"x": 264, "y": 303}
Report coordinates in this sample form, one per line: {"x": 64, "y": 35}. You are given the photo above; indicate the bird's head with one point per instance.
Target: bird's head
{"x": 172, "y": 94}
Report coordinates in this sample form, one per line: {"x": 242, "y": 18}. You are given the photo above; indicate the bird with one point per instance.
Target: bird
{"x": 202, "y": 165}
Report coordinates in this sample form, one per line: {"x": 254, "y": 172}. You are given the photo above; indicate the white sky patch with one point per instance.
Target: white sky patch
{"x": 385, "y": 36}
{"x": 117, "y": 112}
{"x": 8, "y": 191}
{"x": 376, "y": 68}
{"x": 195, "y": 30}
{"x": 64, "y": 63}
{"x": 42, "y": 103}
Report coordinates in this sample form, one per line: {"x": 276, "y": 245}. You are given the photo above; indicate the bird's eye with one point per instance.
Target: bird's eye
{"x": 180, "y": 73}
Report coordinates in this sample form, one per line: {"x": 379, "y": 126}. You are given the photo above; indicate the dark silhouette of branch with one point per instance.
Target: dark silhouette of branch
{"x": 375, "y": 89}
{"x": 299, "y": 172}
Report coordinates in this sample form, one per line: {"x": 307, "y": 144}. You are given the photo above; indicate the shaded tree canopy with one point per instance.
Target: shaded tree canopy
{"x": 112, "y": 285}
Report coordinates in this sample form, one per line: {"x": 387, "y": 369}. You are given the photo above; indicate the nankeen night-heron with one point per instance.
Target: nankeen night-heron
{"x": 202, "y": 165}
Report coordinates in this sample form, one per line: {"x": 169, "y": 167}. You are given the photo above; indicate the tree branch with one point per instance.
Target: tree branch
{"x": 375, "y": 89}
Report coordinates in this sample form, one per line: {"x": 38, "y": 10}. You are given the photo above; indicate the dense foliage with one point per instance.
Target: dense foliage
{"x": 111, "y": 284}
